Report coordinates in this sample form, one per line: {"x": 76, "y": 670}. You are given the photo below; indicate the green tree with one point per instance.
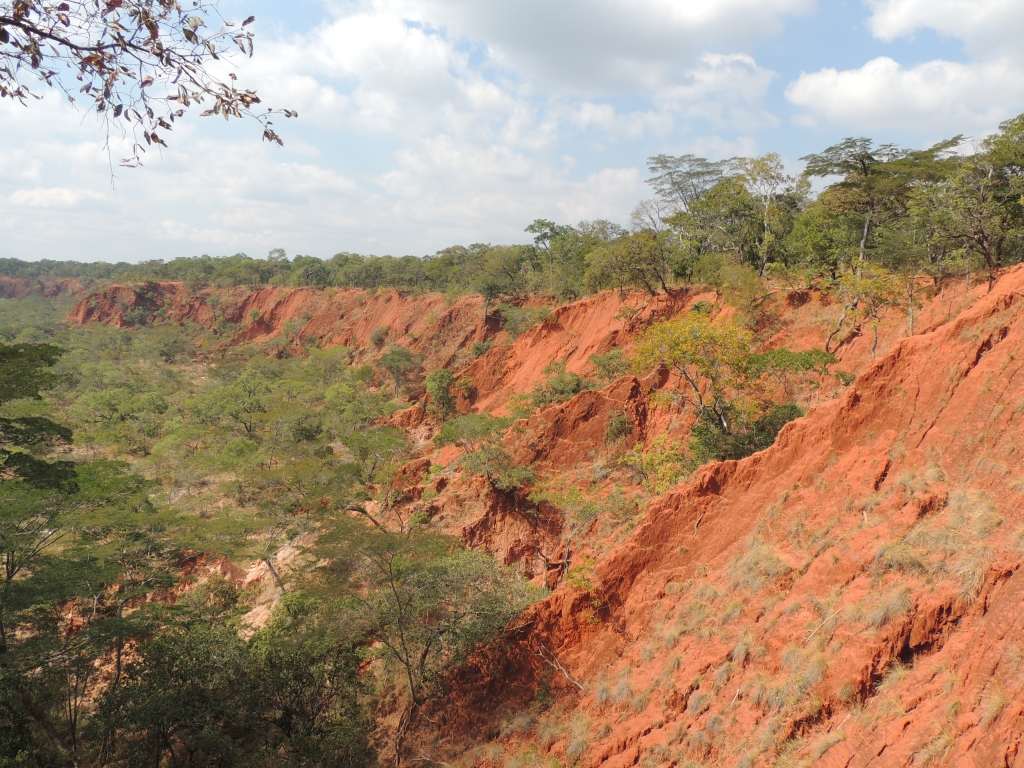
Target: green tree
{"x": 25, "y": 371}
{"x": 439, "y": 385}
{"x": 399, "y": 363}
{"x": 429, "y": 606}
{"x": 480, "y": 438}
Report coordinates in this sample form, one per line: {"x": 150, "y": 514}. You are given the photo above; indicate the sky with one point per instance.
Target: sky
{"x": 429, "y": 123}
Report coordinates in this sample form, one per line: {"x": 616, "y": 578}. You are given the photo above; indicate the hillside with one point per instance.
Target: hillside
{"x": 846, "y": 597}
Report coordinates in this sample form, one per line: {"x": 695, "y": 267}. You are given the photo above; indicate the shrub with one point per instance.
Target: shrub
{"x": 378, "y": 336}
{"x": 711, "y": 443}
{"x": 439, "y": 386}
{"x": 481, "y": 348}
{"x": 610, "y": 365}
{"x": 517, "y": 320}
{"x": 619, "y": 426}
{"x": 660, "y": 466}
{"x": 558, "y": 386}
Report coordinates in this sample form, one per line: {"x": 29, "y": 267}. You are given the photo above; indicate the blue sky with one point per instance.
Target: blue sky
{"x": 425, "y": 123}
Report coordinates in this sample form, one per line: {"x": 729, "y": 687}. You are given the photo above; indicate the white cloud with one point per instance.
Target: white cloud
{"x": 53, "y": 197}
{"x": 990, "y": 28}
{"x": 603, "y": 45}
{"x": 935, "y": 97}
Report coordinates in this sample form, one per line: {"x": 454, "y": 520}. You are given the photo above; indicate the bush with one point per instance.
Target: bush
{"x": 378, "y": 336}
{"x": 611, "y": 365}
{"x": 481, "y": 348}
{"x": 710, "y": 443}
{"x": 517, "y": 320}
{"x": 559, "y": 385}
{"x": 660, "y": 466}
{"x": 619, "y": 426}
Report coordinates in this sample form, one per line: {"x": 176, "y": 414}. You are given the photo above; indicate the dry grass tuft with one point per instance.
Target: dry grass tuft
{"x": 993, "y": 702}
{"x": 758, "y": 567}
{"x": 894, "y": 605}
{"x": 699, "y": 702}
{"x": 894, "y": 675}
{"x": 826, "y": 743}
{"x": 934, "y": 750}
{"x": 951, "y": 546}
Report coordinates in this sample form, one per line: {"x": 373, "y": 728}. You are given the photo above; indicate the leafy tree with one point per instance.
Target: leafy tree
{"x": 25, "y": 370}
{"x": 823, "y": 238}
{"x": 978, "y": 208}
{"x": 766, "y": 181}
{"x": 642, "y": 259}
{"x": 867, "y": 296}
{"x": 709, "y": 357}
{"x": 140, "y": 64}
{"x": 429, "y": 606}
{"x": 399, "y": 363}
{"x": 439, "y": 385}
{"x": 727, "y": 385}
{"x": 205, "y": 697}
{"x": 245, "y": 401}
{"x": 683, "y": 180}
{"x": 479, "y": 436}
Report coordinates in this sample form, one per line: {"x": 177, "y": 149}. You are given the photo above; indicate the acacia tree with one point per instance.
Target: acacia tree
{"x": 140, "y": 64}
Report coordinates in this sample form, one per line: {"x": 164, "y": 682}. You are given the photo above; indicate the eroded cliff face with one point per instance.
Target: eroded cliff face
{"x": 849, "y": 597}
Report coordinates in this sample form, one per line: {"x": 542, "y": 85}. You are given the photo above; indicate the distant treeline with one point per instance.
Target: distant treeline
{"x": 948, "y": 209}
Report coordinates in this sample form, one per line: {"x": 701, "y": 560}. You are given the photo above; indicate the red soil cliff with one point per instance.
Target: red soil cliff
{"x": 849, "y": 597}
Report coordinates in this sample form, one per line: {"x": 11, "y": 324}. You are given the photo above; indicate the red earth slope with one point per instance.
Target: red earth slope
{"x": 849, "y": 597}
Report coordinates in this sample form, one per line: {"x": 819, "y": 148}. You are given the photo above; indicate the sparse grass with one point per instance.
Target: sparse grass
{"x": 549, "y": 729}
{"x": 812, "y": 673}
{"x": 895, "y": 604}
{"x": 970, "y": 570}
{"x": 758, "y": 567}
{"x": 603, "y": 694}
{"x": 951, "y": 546}
{"x": 641, "y": 701}
{"x": 732, "y": 611}
{"x": 623, "y": 692}
{"x": 579, "y": 742}
{"x": 826, "y": 743}
{"x": 900, "y": 556}
{"x": 699, "y": 702}
{"x": 523, "y": 722}
{"x": 934, "y": 750}
{"x": 706, "y": 593}
{"x": 741, "y": 650}
{"x": 934, "y": 473}
{"x": 993, "y": 702}
{"x": 894, "y": 675}
{"x": 671, "y": 636}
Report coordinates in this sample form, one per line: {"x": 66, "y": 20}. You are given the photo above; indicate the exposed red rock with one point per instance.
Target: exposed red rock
{"x": 849, "y": 597}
